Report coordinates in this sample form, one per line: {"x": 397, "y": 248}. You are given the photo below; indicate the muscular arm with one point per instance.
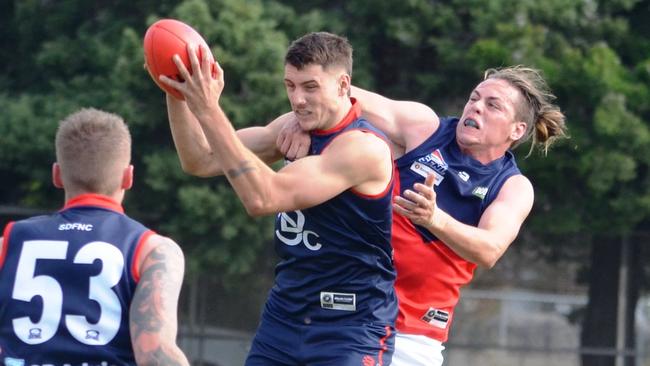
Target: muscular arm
{"x": 496, "y": 230}
{"x": 194, "y": 151}
{"x": 354, "y": 159}
{"x": 407, "y": 124}
{"x": 153, "y": 312}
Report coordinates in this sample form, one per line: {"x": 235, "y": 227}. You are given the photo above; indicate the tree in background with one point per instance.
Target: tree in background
{"x": 60, "y": 56}
{"x": 593, "y": 191}
{"x": 596, "y": 56}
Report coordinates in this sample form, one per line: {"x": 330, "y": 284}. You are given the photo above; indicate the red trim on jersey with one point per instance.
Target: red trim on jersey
{"x": 353, "y": 114}
{"x": 383, "y": 347}
{"x": 135, "y": 269}
{"x": 354, "y": 191}
{"x": 392, "y": 177}
{"x": 5, "y": 243}
{"x": 93, "y": 199}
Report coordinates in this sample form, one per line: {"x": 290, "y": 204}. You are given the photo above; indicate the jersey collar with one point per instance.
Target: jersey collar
{"x": 93, "y": 199}
{"x": 353, "y": 114}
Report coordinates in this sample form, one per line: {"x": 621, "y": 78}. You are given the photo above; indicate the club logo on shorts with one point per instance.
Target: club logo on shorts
{"x": 294, "y": 227}
{"x": 338, "y": 301}
{"x": 437, "y": 318}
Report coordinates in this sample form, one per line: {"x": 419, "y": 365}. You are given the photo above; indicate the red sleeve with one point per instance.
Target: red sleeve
{"x": 5, "y": 243}
{"x": 135, "y": 270}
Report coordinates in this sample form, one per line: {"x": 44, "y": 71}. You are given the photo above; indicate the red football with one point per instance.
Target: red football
{"x": 164, "y": 39}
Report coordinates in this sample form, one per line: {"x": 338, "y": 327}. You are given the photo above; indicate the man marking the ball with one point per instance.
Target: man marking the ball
{"x": 333, "y": 302}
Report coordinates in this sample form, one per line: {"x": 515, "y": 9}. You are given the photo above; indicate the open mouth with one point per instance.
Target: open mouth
{"x": 471, "y": 123}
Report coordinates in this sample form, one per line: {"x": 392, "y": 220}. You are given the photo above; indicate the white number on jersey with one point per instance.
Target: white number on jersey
{"x": 27, "y": 286}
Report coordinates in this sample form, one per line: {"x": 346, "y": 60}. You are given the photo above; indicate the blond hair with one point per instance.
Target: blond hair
{"x": 544, "y": 120}
{"x": 93, "y": 148}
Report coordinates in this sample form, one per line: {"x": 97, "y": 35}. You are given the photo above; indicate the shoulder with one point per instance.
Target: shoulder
{"x": 159, "y": 249}
{"x": 358, "y": 143}
{"x": 161, "y": 244}
{"x": 517, "y": 188}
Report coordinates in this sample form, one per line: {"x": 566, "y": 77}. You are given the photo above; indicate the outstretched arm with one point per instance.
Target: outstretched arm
{"x": 353, "y": 159}
{"x": 153, "y": 313}
{"x": 194, "y": 151}
{"x": 406, "y": 124}
{"x": 497, "y": 228}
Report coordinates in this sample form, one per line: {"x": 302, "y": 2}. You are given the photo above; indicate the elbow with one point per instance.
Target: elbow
{"x": 190, "y": 168}
{"x": 486, "y": 263}
{"x": 196, "y": 170}
{"x": 257, "y": 207}
{"x": 488, "y": 259}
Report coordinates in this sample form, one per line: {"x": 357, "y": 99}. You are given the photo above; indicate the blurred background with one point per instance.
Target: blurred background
{"x": 572, "y": 290}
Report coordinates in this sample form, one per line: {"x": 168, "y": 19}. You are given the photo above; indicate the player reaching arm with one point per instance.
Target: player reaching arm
{"x": 303, "y": 184}
{"x": 483, "y": 244}
{"x": 335, "y": 278}
{"x": 194, "y": 151}
{"x": 462, "y": 198}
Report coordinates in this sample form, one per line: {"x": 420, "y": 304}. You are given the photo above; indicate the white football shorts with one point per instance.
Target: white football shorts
{"x": 417, "y": 350}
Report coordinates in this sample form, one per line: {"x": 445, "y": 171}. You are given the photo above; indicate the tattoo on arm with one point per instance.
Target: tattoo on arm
{"x": 245, "y": 167}
{"x": 153, "y": 308}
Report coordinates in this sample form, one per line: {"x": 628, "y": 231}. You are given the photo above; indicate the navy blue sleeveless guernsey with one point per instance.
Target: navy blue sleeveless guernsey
{"x": 336, "y": 262}
{"x": 66, "y": 284}
{"x": 430, "y": 273}
{"x": 464, "y": 186}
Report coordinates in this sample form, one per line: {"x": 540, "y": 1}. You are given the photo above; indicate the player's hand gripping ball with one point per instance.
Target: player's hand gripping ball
{"x": 162, "y": 41}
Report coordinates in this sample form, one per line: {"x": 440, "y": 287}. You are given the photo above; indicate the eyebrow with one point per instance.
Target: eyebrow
{"x": 304, "y": 83}
{"x": 498, "y": 99}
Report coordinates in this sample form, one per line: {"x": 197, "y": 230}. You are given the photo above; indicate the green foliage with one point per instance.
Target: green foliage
{"x": 58, "y": 56}
{"x": 90, "y": 54}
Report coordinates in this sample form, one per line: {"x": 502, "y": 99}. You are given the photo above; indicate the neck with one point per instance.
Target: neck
{"x": 483, "y": 155}
{"x": 344, "y": 108}
{"x": 117, "y": 196}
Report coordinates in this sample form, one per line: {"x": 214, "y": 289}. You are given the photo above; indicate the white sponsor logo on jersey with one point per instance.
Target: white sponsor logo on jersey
{"x": 293, "y": 229}
{"x": 480, "y": 192}
{"x": 437, "y": 318}
{"x": 432, "y": 163}
{"x": 463, "y": 175}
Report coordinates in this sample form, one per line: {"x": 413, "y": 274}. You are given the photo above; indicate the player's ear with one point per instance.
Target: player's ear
{"x": 345, "y": 85}
{"x": 127, "y": 177}
{"x": 56, "y": 175}
{"x": 518, "y": 130}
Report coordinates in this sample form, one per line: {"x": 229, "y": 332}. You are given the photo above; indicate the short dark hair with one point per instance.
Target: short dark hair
{"x": 320, "y": 48}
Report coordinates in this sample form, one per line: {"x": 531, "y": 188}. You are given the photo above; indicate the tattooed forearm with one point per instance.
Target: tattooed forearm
{"x": 153, "y": 307}
{"x": 161, "y": 357}
{"x": 246, "y": 166}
